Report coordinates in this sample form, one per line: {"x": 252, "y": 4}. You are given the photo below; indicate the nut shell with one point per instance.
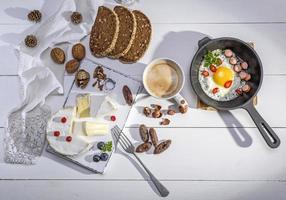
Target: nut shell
{"x": 72, "y": 66}
{"x": 58, "y": 55}
{"x": 163, "y": 146}
{"x": 82, "y": 78}
{"x": 78, "y": 51}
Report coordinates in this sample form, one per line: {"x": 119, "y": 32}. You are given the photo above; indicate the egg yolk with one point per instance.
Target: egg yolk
{"x": 222, "y": 75}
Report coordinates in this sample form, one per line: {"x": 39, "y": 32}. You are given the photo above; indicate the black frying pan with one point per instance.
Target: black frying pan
{"x": 246, "y": 53}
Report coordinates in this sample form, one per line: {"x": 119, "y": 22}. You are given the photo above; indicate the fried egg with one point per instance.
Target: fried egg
{"x": 219, "y": 81}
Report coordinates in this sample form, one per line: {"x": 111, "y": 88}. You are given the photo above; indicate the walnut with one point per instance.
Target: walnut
{"x": 78, "y": 51}
{"x": 58, "y": 55}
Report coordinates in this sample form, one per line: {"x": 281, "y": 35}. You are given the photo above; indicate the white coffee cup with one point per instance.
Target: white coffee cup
{"x": 163, "y": 78}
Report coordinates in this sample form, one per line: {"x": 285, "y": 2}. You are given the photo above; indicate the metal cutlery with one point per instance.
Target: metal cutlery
{"x": 128, "y": 147}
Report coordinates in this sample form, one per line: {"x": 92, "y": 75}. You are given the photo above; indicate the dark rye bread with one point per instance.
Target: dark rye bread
{"x": 127, "y": 30}
{"x": 104, "y": 32}
{"x": 142, "y": 38}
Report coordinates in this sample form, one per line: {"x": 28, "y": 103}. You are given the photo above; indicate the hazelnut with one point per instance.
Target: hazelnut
{"x": 183, "y": 109}
{"x": 147, "y": 111}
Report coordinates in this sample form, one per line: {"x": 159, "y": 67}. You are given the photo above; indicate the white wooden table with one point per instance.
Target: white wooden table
{"x": 213, "y": 155}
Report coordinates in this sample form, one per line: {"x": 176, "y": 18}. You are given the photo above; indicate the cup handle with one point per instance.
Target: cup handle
{"x": 182, "y": 103}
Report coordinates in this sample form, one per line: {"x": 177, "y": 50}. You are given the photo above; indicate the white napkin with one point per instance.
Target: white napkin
{"x": 39, "y": 75}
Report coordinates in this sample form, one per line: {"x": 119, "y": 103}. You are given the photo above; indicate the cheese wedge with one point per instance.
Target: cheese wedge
{"x": 95, "y": 128}
{"x": 83, "y": 106}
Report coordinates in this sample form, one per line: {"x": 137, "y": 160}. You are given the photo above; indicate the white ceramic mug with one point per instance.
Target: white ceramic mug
{"x": 181, "y": 81}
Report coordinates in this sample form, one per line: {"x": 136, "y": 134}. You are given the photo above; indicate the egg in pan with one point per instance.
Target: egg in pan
{"x": 220, "y": 75}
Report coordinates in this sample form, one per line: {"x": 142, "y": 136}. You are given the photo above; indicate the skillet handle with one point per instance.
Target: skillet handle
{"x": 203, "y": 41}
{"x": 266, "y": 131}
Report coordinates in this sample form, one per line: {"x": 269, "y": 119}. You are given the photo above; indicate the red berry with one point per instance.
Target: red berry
{"x": 227, "y": 84}
{"x": 113, "y": 118}
{"x": 57, "y": 133}
{"x": 69, "y": 138}
{"x": 213, "y": 68}
{"x": 63, "y": 119}
{"x": 205, "y": 73}
{"x": 215, "y": 90}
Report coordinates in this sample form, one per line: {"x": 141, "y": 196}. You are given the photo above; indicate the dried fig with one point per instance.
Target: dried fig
{"x": 163, "y": 146}
{"x": 72, "y": 66}
{"x": 78, "y": 51}
{"x": 165, "y": 122}
{"x": 58, "y": 55}
{"x": 127, "y": 95}
{"x": 144, "y": 133}
{"x": 143, "y": 147}
{"x": 153, "y": 135}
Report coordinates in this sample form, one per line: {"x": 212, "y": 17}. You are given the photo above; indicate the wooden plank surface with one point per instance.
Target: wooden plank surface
{"x": 176, "y": 41}
{"x": 162, "y": 11}
{"x": 140, "y": 190}
{"x": 210, "y": 158}
{"x": 195, "y": 154}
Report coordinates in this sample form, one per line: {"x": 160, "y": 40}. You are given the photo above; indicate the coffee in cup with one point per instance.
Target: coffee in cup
{"x": 163, "y": 78}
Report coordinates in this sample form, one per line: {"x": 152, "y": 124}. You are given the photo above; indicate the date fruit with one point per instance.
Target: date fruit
{"x": 72, "y": 66}
{"x": 143, "y": 147}
{"x": 153, "y": 136}
{"x": 144, "y": 133}
{"x": 163, "y": 146}
{"x": 127, "y": 95}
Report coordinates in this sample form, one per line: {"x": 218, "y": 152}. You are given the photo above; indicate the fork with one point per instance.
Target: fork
{"x": 129, "y": 148}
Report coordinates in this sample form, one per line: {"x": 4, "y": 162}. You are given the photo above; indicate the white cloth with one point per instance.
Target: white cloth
{"x": 39, "y": 75}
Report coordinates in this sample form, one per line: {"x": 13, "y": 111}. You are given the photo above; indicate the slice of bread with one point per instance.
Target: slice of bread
{"x": 127, "y": 30}
{"x": 142, "y": 38}
{"x": 104, "y": 32}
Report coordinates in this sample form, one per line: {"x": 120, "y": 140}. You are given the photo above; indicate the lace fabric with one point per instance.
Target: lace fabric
{"x": 25, "y": 135}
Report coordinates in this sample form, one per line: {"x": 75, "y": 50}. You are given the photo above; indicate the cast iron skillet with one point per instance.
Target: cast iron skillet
{"x": 246, "y": 52}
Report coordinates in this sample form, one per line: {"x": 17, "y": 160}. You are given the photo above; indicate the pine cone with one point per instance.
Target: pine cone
{"x": 31, "y": 41}
{"x": 35, "y": 16}
{"x": 76, "y": 17}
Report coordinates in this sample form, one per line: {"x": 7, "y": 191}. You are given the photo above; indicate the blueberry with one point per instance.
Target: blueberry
{"x": 100, "y": 145}
{"x": 96, "y": 158}
{"x": 104, "y": 156}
